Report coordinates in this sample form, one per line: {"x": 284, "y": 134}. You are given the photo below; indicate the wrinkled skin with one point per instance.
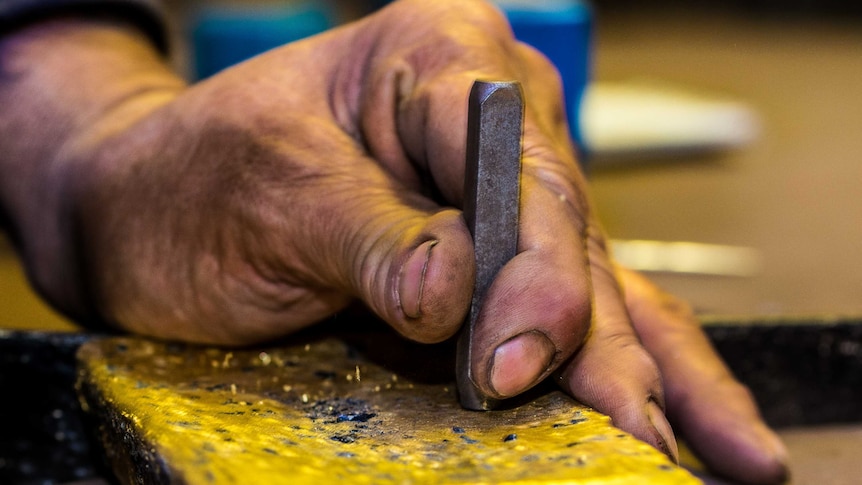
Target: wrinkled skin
{"x": 263, "y": 199}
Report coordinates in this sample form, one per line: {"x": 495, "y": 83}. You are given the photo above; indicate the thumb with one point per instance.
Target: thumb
{"x": 419, "y": 278}
{"x": 408, "y": 259}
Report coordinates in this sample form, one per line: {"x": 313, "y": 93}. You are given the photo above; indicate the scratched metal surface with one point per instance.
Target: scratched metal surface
{"x": 313, "y": 411}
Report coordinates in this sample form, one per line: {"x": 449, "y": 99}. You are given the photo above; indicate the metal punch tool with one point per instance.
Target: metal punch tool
{"x": 491, "y": 205}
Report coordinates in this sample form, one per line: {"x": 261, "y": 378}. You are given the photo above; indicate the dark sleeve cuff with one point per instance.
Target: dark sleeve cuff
{"x": 147, "y": 15}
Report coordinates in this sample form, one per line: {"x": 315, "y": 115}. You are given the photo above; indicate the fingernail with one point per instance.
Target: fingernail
{"x": 775, "y": 444}
{"x": 520, "y": 361}
{"x": 666, "y": 439}
{"x": 778, "y": 451}
{"x": 411, "y": 280}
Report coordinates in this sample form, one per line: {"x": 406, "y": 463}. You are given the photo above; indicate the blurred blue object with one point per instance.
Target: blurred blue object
{"x": 223, "y": 36}
{"x": 563, "y": 31}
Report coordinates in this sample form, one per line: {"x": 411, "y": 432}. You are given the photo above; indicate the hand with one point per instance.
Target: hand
{"x": 712, "y": 410}
{"x": 265, "y": 198}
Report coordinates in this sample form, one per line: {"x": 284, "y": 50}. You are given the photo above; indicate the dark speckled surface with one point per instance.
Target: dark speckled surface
{"x": 317, "y": 411}
{"x": 43, "y": 437}
{"x": 803, "y": 372}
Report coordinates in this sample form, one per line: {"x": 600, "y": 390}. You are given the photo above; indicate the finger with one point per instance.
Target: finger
{"x": 537, "y": 311}
{"x": 613, "y": 373}
{"x": 440, "y": 49}
{"x": 715, "y": 413}
{"x": 408, "y": 259}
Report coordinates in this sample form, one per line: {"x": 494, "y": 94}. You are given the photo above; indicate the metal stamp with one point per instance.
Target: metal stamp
{"x": 491, "y": 199}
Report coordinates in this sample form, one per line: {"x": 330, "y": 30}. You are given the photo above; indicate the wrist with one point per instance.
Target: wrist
{"x": 68, "y": 85}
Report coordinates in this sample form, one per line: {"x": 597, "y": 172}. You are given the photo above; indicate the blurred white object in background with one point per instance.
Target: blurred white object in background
{"x": 646, "y": 119}
{"x": 686, "y": 257}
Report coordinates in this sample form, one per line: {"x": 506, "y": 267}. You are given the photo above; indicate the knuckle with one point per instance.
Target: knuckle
{"x": 482, "y": 14}
{"x": 679, "y": 308}
{"x": 544, "y": 71}
{"x": 456, "y": 27}
{"x": 679, "y": 325}
{"x": 563, "y": 294}
{"x": 542, "y": 163}
{"x": 575, "y": 303}
{"x": 637, "y": 359}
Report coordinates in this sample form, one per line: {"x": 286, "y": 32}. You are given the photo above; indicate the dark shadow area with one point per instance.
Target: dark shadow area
{"x": 44, "y": 438}
{"x": 802, "y": 372}
{"x": 771, "y": 8}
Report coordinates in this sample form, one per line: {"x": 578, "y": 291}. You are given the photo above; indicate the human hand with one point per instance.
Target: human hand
{"x": 268, "y": 196}
{"x": 714, "y": 412}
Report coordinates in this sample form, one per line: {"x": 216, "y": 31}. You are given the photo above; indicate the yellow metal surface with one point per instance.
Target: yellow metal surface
{"x": 320, "y": 412}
